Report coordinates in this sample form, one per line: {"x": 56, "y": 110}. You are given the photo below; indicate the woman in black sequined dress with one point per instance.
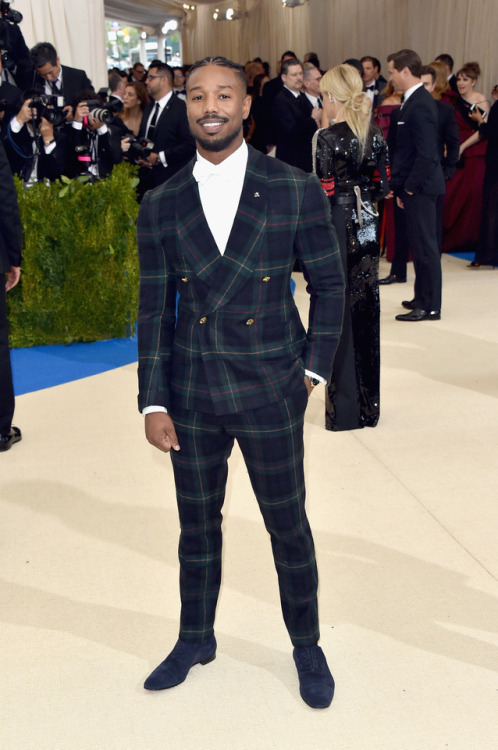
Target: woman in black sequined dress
{"x": 351, "y": 160}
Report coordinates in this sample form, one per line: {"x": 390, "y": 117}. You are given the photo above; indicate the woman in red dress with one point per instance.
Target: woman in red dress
{"x": 463, "y": 201}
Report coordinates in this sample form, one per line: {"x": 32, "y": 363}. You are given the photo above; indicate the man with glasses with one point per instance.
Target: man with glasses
{"x": 164, "y": 122}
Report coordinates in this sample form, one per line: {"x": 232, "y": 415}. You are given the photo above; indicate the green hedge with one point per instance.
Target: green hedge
{"x": 79, "y": 278}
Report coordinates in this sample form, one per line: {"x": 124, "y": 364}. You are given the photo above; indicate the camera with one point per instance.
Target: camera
{"x": 47, "y": 107}
{"x": 7, "y": 14}
{"x": 103, "y": 113}
{"x": 140, "y": 148}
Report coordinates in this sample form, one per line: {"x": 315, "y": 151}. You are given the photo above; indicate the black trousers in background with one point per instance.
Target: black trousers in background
{"x": 6, "y": 385}
{"x": 421, "y": 222}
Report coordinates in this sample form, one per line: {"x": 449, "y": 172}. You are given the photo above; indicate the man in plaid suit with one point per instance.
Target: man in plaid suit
{"x": 223, "y": 356}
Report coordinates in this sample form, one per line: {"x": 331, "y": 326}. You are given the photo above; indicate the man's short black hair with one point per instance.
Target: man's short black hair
{"x": 288, "y": 53}
{"x": 163, "y": 68}
{"x": 446, "y": 59}
{"x": 43, "y": 53}
{"x": 406, "y": 58}
{"x": 355, "y": 63}
{"x": 284, "y": 70}
{"x": 223, "y": 62}
{"x": 428, "y": 70}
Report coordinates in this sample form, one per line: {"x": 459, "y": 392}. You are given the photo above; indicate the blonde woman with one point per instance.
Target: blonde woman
{"x": 351, "y": 160}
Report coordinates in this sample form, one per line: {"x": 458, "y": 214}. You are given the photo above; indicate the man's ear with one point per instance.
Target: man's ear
{"x": 247, "y": 106}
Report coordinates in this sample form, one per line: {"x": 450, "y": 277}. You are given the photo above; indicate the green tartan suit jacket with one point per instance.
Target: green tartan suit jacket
{"x": 222, "y": 334}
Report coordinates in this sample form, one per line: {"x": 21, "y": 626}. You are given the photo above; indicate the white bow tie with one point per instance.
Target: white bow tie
{"x": 203, "y": 170}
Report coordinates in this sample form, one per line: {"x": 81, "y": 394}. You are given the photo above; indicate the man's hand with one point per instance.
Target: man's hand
{"x": 26, "y": 113}
{"x": 309, "y": 386}
{"x": 12, "y": 277}
{"x": 160, "y": 431}
{"x": 399, "y": 202}
{"x": 150, "y": 161}
{"x": 46, "y": 130}
{"x": 81, "y": 112}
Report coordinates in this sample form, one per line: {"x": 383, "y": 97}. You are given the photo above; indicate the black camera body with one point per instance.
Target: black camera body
{"x": 140, "y": 148}
{"x": 9, "y": 15}
{"x": 48, "y": 107}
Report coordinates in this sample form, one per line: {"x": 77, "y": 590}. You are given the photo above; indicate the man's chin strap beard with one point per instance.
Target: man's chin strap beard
{"x": 220, "y": 144}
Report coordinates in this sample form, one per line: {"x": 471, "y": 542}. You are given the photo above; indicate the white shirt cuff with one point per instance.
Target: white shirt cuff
{"x": 151, "y": 409}
{"x": 314, "y": 375}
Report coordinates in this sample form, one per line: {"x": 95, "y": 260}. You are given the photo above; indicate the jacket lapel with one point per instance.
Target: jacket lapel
{"x": 224, "y": 274}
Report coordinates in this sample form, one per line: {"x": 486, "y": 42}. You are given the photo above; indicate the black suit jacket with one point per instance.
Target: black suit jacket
{"x": 10, "y": 222}
{"x": 73, "y": 82}
{"x": 448, "y": 138}
{"x": 294, "y": 128}
{"x": 11, "y": 95}
{"x": 172, "y": 137}
{"x": 415, "y": 165}
{"x": 51, "y": 166}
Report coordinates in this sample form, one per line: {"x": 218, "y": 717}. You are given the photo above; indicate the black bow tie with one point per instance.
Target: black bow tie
{"x": 371, "y": 87}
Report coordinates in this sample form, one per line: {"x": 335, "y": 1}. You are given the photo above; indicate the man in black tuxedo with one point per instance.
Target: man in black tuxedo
{"x": 417, "y": 180}
{"x": 55, "y": 79}
{"x": 448, "y": 63}
{"x": 370, "y": 80}
{"x": 448, "y": 142}
{"x": 10, "y": 268}
{"x": 294, "y": 118}
{"x": 165, "y": 123}
{"x": 270, "y": 91}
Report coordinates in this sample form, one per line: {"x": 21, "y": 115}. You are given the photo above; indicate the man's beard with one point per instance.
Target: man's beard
{"x": 219, "y": 144}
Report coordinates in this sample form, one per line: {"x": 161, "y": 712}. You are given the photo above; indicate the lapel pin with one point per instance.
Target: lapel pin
{"x": 257, "y": 195}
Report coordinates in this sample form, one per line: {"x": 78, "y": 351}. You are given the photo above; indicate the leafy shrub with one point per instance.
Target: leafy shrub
{"x": 79, "y": 278}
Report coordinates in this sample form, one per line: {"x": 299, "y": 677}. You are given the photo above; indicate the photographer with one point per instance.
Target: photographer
{"x": 14, "y": 52}
{"x": 89, "y": 144}
{"x": 56, "y": 79}
{"x": 36, "y": 140}
{"x": 10, "y": 103}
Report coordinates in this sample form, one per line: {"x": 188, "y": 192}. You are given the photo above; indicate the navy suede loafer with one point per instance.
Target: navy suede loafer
{"x": 174, "y": 669}
{"x": 316, "y": 684}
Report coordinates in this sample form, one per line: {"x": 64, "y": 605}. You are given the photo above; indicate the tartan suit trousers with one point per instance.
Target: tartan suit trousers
{"x": 271, "y": 442}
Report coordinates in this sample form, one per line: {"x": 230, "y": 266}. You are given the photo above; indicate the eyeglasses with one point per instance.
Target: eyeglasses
{"x": 149, "y": 77}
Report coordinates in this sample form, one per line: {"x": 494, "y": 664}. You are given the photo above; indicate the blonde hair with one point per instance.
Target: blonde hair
{"x": 346, "y": 86}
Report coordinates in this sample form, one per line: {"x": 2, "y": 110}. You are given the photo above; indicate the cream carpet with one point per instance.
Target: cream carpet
{"x": 405, "y": 524}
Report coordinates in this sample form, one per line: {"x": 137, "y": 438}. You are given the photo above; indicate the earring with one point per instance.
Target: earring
{"x": 331, "y": 99}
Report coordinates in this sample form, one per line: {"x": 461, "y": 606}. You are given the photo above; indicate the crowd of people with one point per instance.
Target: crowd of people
{"x": 345, "y": 125}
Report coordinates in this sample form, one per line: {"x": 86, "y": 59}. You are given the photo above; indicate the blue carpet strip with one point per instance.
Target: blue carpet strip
{"x": 40, "y": 367}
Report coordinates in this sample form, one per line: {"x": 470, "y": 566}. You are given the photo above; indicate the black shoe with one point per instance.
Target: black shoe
{"x": 411, "y": 304}
{"x": 391, "y": 279}
{"x": 174, "y": 669}
{"x": 419, "y": 314}
{"x": 13, "y": 436}
{"x": 316, "y": 684}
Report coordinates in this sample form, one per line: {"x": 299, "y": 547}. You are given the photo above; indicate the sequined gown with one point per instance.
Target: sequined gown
{"x": 352, "y": 398}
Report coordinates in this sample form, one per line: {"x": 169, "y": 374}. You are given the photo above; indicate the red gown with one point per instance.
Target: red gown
{"x": 463, "y": 199}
